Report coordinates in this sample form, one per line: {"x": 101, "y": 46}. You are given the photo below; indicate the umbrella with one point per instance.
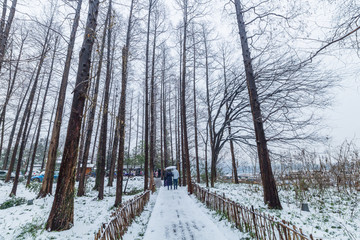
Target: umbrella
{"x": 170, "y": 168}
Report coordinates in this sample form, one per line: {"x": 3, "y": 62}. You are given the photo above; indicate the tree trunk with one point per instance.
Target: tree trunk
{"x": 48, "y": 133}
{"x": 271, "y": 197}
{"x": 152, "y": 113}
{"x": 26, "y": 164}
{"x": 11, "y": 85}
{"x": 8, "y": 95}
{"x": 114, "y": 128}
{"x": 233, "y": 160}
{"x": 41, "y": 114}
{"x": 97, "y": 130}
{"x": 161, "y": 131}
{"x": 2, "y": 20}
{"x": 146, "y": 147}
{"x": 195, "y": 114}
{"x": 206, "y": 156}
{"x": 210, "y": 122}
{"x": 137, "y": 126}
{"x": 26, "y": 117}
{"x": 122, "y": 111}
{"x": 171, "y": 136}
{"x": 101, "y": 154}
{"x": 62, "y": 212}
{"x": 11, "y": 137}
{"x": 166, "y": 157}
{"x": 25, "y": 120}
{"x": 130, "y": 120}
{"x": 82, "y": 135}
{"x": 6, "y": 31}
{"x": 46, "y": 187}
{"x": 114, "y": 150}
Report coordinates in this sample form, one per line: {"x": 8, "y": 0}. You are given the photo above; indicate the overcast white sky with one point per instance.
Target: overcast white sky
{"x": 343, "y": 119}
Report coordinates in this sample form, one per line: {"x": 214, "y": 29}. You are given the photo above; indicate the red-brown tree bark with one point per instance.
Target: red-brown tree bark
{"x": 271, "y": 197}
{"x": 62, "y": 212}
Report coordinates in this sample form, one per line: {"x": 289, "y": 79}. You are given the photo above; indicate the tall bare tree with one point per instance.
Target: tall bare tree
{"x": 46, "y": 187}
{"x": 9, "y": 93}
{"x": 5, "y": 29}
{"x": 271, "y": 196}
{"x": 151, "y": 5}
{"x": 122, "y": 110}
{"x": 42, "y": 113}
{"x": 101, "y": 157}
{"x": 62, "y": 212}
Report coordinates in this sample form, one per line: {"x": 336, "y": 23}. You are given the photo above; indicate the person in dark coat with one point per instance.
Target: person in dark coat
{"x": 169, "y": 176}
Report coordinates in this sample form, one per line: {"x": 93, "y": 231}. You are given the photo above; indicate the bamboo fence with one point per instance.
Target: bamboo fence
{"x": 122, "y": 217}
{"x": 259, "y": 225}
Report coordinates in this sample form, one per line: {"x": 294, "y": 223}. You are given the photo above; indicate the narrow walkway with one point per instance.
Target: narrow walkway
{"x": 176, "y": 216}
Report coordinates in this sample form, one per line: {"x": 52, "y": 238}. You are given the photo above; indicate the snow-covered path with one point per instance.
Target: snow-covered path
{"x": 177, "y": 216}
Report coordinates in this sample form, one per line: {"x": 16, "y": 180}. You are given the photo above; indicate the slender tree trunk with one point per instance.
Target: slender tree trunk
{"x": 210, "y": 122}
{"x": 48, "y": 134}
{"x": 166, "y": 155}
{"x": 6, "y": 31}
{"x": 112, "y": 153}
{"x": 25, "y": 120}
{"x": 11, "y": 84}
{"x": 146, "y": 148}
{"x": 11, "y": 137}
{"x": 46, "y": 187}
{"x": 236, "y": 180}
{"x": 41, "y": 114}
{"x": 195, "y": 114}
{"x": 206, "y": 156}
{"x": 97, "y": 130}
{"x": 171, "y": 136}
{"x": 3, "y": 19}
{"x": 161, "y": 132}
{"x": 183, "y": 102}
{"x": 113, "y": 111}
{"x": 8, "y": 95}
{"x": 26, "y": 117}
{"x": 233, "y": 160}
{"x": 137, "y": 126}
{"x": 122, "y": 111}
{"x": 83, "y": 128}
{"x": 114, "y": 150}
{"x": 180, "y": 118}
{"x": 2, "y": 138}
{"x": 26, "y": 164}
{"x": 183, "y": 160}
{"x": 130, "y": 118}
{"x": 271, "y": 197}
{"x": 101, "y": 154}
{"x": 152, "y": 113}
{"x": 62, "y": 212}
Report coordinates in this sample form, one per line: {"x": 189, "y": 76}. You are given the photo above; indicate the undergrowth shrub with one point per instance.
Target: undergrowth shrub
{"x": 13, "y": 201}
{"x": 30, "y": 229}
{"x": 34, "y": 186}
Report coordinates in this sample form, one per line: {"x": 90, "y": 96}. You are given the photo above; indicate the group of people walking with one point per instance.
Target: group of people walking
{"x": 171, "y": 177}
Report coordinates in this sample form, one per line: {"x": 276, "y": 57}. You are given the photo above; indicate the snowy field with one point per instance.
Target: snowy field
{"x": 28, "y": 221}
{"x": 332, "y": 215}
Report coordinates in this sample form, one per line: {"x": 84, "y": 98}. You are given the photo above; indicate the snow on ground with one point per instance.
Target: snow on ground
{"x": 332, "y": 215}
{"x": 176, "y": 215}
{"x": 28, "y": 221}
{"x": 138, "y": 227}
